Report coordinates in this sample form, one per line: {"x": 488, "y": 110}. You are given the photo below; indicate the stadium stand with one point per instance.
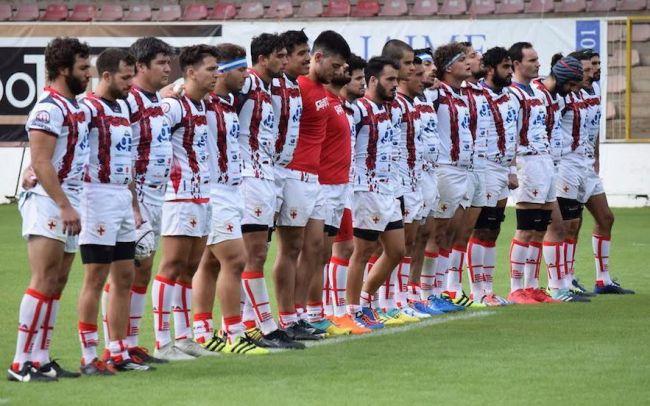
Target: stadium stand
{"x": 571, "y": 6}
{"x": 510, "y": 7}
{"x": 482, "y": 7}
{"x": 424, "y": 8}
{"x": 453, "y": 7}
{"x": 310, "y": 9}
{"x": 251, "y": 10}
{"x": 393, "y": 8}
{"x": 194, "y": 12}
{"x": 55, "y": 12}
{"x": 223, "y": 11}
{"x": 365, "y": 8}
{"x": 279, "y": 9}
{"x": 169, "y": 12}
{"x": 632, "y": 5}
{"x": 540, "y": 6}
{"x": 110, "y": 12}
{"x": 601, "y": 5}
{"x": 5, "y": 12}
{"x": 337, "y": 8}
{"x": 139, "y": 12}
{"x": 83, "y": 12}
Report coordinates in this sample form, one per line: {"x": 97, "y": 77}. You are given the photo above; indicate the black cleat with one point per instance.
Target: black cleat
{"x": 300, "y": 331}
{"x": 578, "y": 289}
{"x": 129, "y": 365}
{"x": 280, "y": 339}
{"x": 140, "y": 355}
{"x": 97, "y": 368}
{"x": 28, "y": 374}
{"x": 315, "y": 330}
{"x": 612, "y": 289}
{"x": 54, "y": 370}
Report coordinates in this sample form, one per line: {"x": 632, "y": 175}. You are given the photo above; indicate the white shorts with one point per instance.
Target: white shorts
{"x": 496, "y": 183}
{"x": 374, "y": 211}
{"x": 106, "y": 215}
{"x": 476, "y": 189}
{"x": 187, "y": 219}
{"x": 536, "y": 176}
{"x": 259, "y": 201}
{"x": 571, "y": 178}
{"x": 227, "y": 213}
{"x": 428, "y": 185}
{"x": 152, "y": 214}
{"x": 295, "y": 192}
{"x": 42, "y": 217}
{"x": 453, "y": 186}
{"x": 335, "y": 199}
{"x": 593, "y": 186}
{"x": 412, "y": 206}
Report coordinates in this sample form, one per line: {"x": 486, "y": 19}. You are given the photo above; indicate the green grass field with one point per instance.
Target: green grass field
{"x": 593, "y": 353}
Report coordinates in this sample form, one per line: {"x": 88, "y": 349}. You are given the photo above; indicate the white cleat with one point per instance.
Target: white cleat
{"x": 192, "y": 348}
{"x": 409, "y": 311}
{"x": 169, "y": 352}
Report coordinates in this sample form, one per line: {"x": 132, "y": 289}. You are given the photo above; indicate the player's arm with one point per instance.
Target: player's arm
{"x": 597, "y": 154}
{"x": 41, "y": 145}
{"x": 29, "y": 179}
{"x": 513, "y": 181}
{"x": 137, "y": 216}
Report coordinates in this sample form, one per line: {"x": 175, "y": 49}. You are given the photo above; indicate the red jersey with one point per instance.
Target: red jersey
{"x": 336, "y": 155}
{"x": 313, "y": 125}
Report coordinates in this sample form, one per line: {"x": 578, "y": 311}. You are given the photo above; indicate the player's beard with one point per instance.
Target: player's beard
{"x": 341, "y": 80}
{"x": 75, "y": 85}
{"x": 384, "y": 93}
{"x": 501, "y": 82}
{"x": 479, "y": 74}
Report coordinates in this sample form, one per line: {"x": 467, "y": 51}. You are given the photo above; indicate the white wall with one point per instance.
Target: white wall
{"x": 625, "y": 169}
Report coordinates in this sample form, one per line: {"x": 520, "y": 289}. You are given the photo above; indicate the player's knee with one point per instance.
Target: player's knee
{"x": 608, "y": 220}
{"x": 235, "y": 261}
{"x": 122, "y": 280}
{"x": 257, "y": 256}
{"x": 142, "y": 276}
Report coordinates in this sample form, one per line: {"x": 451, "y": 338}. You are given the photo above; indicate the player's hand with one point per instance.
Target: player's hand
{"x": 29, "y": 178}
{"x": 513, "y": 181}
{"x": 71, "y": 221}
{"x": 137, "y": 216}
{"x": 597, "y": 167}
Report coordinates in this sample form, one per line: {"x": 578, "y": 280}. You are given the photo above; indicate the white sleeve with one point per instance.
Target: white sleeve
{"x": 173, "y": 110}
{"x": 47, "y": 117}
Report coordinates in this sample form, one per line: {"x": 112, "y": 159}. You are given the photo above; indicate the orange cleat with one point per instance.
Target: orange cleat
{"x": 520, "y": 296}
{"x": 347, "y": 322}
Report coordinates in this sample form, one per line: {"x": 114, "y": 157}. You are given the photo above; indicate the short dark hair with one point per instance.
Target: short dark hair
{"x": 332, "y": 43}
{"x": 293, "y": 38}
{"x": 444, "y": 54}
{"x": 264, "y": 45}
{"x": 60, "y": 53}
{"x": 194, "y": 54}
{"x": 376, "y": 65}
{"x": 228, "y": 52}
{"x": 466, "y": 44}
{"x": 356, "y": 62}
{"x": 417, "y": 61}
{"x": 516, "y": 50}
{"x": 556, "y": 58}
{"x": 581, "y": 55}
{"x": 146, "y": 49}
{"x": 494, "y": 56}
{"x": 110, "y": 58}
{"x": 394, "y": 49}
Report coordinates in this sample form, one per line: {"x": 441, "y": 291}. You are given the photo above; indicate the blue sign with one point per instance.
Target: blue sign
{"x": 588, "y": 35}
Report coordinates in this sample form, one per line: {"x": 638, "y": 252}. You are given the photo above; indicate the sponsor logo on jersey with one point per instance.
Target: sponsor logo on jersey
{"x": 42, "y": 117}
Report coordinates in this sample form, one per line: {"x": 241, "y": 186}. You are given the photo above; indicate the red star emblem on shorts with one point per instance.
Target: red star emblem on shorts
{"x": 258, "y": 211}
{"x": 293, "y": 213}
{"x": 193, "y": 222}
{"x": 101, "y": 230}
{"x": 230, "y": 227}
{"x": 51, "y": 224}
{"x": 535, "y": 192}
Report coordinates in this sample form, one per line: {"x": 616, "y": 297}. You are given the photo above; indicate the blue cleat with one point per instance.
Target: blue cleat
{"x": 423, "y": 307}
{"x": 366, "y": 318}
{"x": 441, "y": 304}
{"x": 612, "y": 289}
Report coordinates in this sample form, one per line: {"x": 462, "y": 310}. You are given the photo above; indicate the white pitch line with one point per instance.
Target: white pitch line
{"x": 402, "y": 329}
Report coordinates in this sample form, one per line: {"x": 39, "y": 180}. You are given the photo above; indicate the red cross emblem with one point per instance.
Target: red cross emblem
{"x": 51, "y": 224}
{"x": 193, "y": 222}
{"x": 375, "y": 219}
{"x": 101, "y": 230}
{"x": 293, "y": 213}
{"x": 229, "y": 227}
{"x": 489, "y": 195}
{"x": 566, "y": 188}
{"x": 535, "y": 192}
{"x": 443, "y": 207}
{"x": 258, "y": 211}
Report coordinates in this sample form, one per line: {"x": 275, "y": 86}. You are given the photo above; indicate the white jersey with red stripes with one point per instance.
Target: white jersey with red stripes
{"x": 410, "y": 144}
{"x": 287, "y": 108}
{"x": 67, "y": 121}
{"x": 456, "y": 140}
{"x": 351, "y": 111}
{"x": 592, "y": 101}
{"x": 110, "y": 159}
{"x": 223, "y": 142}
{"x": 395, "y": 114}
{"x": 573, "y": 125}
{"x": 480, "y": 121}
{"x": 152, "y": 145}
{"x": 429, "y": 121}
{"x": 374, "y": 148}
{"x": 502, "y": 132}
{"x": 553, "y": 118}
{"x": 257, "y": 128}
{"x": 531, "y": 123}
{"x": 189, "y": 179}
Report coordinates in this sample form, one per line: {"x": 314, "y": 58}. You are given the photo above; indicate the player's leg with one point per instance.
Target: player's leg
{"x": 289, "y": 243}
{"x": 485, "y": 234}
{"x": 473, "y": 253}
{"x": 204, "y": 287}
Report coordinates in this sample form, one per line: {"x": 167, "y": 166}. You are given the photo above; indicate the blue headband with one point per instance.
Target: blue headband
{"x": 233, "y": 64}
{"x": 425, "y": 57}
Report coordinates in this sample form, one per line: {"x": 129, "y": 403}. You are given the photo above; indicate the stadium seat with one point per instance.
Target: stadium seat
{"x": 618, "y": 60}
{"x": 571, "y": 6}
{"x": 26, "y": 12}
{"x": 83, "y": 12}
{"x": 631, "y": 5}
{"x": 223, "y": 11}
{"x": 251, "y": 10}
{"x": 482, "y": 7}
{"x": 337, "y": 8}
{"x": 310, "y": 8}
{"x": 55, "y": 12}
{"x": 195, "y": 12}
{"x": 602, "y": 5}
{"x": 110, "y": 12}
{"x": 138, "y": 12}
{"x": 453, "y": 7}
{"x": 640, "y": 32}
{"x": 394, "y": 8}
{"x": 280, "y": 9}
{"x": 615, "y": 32}
{"x": 539, "y": 6}
{"x": 5, "y": 12}
{"x": 423, "y": 8}
{"x": 610, "y": 112}
{"x": 365, "y": 8}
{"x": 510, "y": 7}
{"x": 169, "y": 12}
{"x": 616, "y": 84}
